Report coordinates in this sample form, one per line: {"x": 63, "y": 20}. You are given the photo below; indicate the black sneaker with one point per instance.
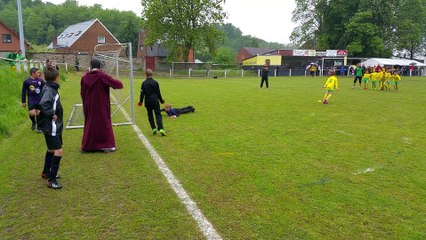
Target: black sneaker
{"x": 33, "y": 127}
{"x": 54, "y": 184}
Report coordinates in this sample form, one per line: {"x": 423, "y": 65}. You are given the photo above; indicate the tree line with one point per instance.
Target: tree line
{"x": 43, "y": 21}
{"x": 366, "y": 28}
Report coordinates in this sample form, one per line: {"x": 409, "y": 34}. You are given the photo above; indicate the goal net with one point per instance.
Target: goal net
{"x": 117, "y": 61}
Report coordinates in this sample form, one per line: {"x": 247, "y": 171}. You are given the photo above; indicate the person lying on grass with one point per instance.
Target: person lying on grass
{"x": 175, "y": 112}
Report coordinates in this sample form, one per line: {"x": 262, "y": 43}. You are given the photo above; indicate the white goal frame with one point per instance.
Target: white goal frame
{"x": 114, "y": 101}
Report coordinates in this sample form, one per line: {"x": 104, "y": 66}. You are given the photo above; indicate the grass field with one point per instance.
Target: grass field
{"x": 260, "y": 164}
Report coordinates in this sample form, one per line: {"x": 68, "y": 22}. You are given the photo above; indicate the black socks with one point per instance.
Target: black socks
{"x": 33, "y": 120}
{"x": 55, "y": 167}
{"x": 47, "y": 162}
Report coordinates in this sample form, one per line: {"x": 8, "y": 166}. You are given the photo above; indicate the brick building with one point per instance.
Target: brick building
{"x": 248, "y": 52}
{"x": 81, "y": 38}
{"x": 152, "y": 56}
{"x": 10, "y": 40}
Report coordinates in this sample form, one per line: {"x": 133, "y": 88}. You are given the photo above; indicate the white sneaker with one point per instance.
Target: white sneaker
{"x": 107, "y": 150}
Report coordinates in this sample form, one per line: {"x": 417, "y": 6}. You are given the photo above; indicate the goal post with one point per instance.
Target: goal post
{"x": 117, "y": 61}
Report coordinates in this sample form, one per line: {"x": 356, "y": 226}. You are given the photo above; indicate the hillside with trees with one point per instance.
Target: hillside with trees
{"x": 42, "y": 21}
{"x": 367, "y": 28}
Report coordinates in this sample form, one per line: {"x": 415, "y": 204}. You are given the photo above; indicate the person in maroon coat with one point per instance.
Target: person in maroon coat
{"x": 95, "y": 86}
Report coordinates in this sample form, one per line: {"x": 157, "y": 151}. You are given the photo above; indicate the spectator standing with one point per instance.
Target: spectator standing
{"x": 95, "y": 87}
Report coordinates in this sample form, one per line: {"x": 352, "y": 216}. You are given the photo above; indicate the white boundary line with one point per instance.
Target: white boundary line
{"x": 203, "y": 223}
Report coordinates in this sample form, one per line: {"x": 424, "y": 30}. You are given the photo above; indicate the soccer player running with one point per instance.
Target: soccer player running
{"x": 150, "y": 93}
{"x": 31, "y": 90}
{"x": 329, "y": 85}
{"x": 51, "y": 122}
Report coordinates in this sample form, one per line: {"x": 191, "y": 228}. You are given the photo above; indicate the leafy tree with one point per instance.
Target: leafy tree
{"x": 309, "y": 16}
{"x": 225, "y": 55}
{"x": 128, "y": 34}
{"x": 183, "y": 25}
{"x": 410, "y": 29}
{"x": 363, "y": 36}
{"x": 365, "y": 27}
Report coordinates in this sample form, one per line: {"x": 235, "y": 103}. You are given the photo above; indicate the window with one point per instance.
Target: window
{"x": 7, "y": 38}
{"x": 101, "y": 39}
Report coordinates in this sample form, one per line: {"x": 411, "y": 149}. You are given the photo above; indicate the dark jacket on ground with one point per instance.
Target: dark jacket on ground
{"x": 179, "y": 111}
{"x": 50, "y": 104}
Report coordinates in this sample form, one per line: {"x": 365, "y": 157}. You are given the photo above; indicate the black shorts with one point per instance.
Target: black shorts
{"x": 53, "y": 142}
{"x": 32, "y": 106}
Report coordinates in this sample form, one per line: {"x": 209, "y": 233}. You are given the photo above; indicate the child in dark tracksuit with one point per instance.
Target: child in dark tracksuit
{"x": 175, "y": 112}
{"x": 151, "y": 95}
{"x": 51, "y": 123}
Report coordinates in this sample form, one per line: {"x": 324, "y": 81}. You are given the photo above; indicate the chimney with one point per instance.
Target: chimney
{"x": 54, "y": 41}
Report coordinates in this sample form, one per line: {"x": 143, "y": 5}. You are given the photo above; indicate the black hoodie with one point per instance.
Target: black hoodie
{"x": 50, "y": 104}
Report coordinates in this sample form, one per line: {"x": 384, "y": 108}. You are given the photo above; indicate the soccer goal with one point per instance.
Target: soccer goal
{"x": 116, "y": 61}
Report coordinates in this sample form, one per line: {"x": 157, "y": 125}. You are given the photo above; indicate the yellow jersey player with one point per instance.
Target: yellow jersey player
{"x": 366, "y": 79}
{"x": 330, "y": 85}
{"x": 375, "y": 76}
{"x": 388, "y": 80}
{"x": 382, "y": 79}
{"x": 395, "y": 78}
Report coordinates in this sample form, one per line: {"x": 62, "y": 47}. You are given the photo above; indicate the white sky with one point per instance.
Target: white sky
{"x": 269, "y": 20}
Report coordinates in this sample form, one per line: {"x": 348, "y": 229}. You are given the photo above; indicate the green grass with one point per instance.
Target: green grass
{"x": 11, "y": 112}
{"x": 261, "y": 164}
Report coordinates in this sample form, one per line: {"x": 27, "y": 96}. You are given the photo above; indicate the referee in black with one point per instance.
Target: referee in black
{"x": 265, "y": 74}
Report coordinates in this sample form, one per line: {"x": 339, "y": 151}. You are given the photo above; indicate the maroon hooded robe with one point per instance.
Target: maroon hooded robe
{"x": 98, "y": 132}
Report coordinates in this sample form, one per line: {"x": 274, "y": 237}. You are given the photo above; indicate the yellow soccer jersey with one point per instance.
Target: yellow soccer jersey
{"x": 396, "y": 77}
{"x": 332, "y": 83}
{"x": 367, "y": 75}
{"x": 383, "y": 76}
{"x": 388, "y": 75}
{"x": 375, "y": 76}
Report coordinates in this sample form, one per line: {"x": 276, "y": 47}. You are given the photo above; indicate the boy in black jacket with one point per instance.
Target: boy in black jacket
{"x": 150, "y": 93}
{"x": 51, "y": 122}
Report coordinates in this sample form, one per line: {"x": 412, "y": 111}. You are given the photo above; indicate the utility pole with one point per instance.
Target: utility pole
{"x": 21, "y": 29}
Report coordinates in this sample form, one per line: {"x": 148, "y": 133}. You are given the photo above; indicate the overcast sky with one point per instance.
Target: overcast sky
{"x": 269, "y": 20}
